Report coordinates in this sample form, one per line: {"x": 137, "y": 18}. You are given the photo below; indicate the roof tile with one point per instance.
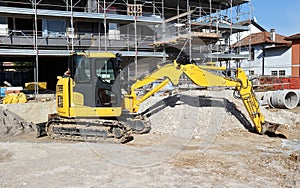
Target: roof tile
{"x": 293, "y": 37}
{"x": 262, "y": 38}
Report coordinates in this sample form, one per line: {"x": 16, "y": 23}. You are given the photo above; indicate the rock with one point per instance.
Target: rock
{"x": 12, "y": 125}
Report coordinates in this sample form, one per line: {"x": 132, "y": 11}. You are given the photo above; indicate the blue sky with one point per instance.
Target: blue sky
{"x": 282, "y": 15}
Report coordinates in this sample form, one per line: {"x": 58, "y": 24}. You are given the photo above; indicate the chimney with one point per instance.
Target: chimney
{"x": 272, "y": 35}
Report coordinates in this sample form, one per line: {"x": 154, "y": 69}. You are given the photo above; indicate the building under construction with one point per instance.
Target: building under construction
{"x": 38, "y": 36}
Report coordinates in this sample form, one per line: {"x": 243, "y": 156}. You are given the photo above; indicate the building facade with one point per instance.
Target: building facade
{"x": 269, "y": 54}
{"x": 46, "y": 32}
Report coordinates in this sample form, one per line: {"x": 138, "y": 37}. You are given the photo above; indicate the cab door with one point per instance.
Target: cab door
{"x": 95, "y": 79}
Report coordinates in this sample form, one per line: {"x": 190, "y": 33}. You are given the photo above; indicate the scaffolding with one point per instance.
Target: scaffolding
{"x": 210, "y": 32}
{"x": 203, "y": 30}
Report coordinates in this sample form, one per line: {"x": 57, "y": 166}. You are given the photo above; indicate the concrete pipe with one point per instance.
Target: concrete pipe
{"x": 267, "y": 98}
{"x": 284, "y": 99}
{"x": 298, "y": 92}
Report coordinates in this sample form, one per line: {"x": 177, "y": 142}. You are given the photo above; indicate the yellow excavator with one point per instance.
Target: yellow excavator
{"x": 91, "y": 106}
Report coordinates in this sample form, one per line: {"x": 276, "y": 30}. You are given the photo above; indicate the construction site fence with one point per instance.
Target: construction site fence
{"x": 278, "y": 83}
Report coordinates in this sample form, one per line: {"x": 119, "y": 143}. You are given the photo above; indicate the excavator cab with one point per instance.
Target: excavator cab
{"x": 89, "y": 103}
{"x": 95, "y": 76}
{"x": 92, "y": 89}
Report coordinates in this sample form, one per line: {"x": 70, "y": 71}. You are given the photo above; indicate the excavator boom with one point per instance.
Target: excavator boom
{"x": 201, "y": 76}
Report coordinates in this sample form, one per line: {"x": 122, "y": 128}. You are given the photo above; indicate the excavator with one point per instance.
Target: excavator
{"x": 91, "y": 106}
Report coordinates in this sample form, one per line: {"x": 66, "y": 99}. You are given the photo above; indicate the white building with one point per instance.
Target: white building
{"x": 270, "y": 54}
{"x": 254, "y": 27}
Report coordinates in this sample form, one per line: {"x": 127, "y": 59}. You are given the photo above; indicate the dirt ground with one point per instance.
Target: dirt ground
{"x": 227, "y": 157}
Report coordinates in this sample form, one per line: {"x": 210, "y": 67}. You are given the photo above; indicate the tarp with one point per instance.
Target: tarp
{"x": 14, "y": 98}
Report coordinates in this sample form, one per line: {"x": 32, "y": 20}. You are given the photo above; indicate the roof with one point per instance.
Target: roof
{"x": 205, "y": 5}
{"x": 293, "y": 37}
{"x": 263, "y": 38}
{"x": 253, "y": 22}
{"x": 277, "y": 46}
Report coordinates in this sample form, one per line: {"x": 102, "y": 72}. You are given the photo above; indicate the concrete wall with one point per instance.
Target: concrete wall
{"x": 36, "y": 112}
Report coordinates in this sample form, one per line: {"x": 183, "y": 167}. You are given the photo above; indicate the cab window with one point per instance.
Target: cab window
{"x": 105, "y": 70}
{"x": 82, "y": 69}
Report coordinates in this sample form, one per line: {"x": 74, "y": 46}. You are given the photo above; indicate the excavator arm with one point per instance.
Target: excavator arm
{"x": 201, "y": 76}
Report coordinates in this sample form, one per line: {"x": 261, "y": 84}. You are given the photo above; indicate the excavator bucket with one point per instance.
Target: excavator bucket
{"x": 276, "y": 129}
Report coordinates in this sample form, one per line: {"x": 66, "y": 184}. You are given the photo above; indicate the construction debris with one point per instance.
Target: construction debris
{"x": 12, "y": 125}
{"x": 200, "y": 109}
{"x": 7, "y": 84}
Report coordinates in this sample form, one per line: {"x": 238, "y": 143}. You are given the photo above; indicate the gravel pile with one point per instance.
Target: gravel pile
{"x": 205, "y": 112}
{"x": 195, "y": 113}
{"x": 12, "y": 125}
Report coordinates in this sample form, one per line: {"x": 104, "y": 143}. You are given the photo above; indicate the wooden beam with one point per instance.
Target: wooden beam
{"x": 179, "y": 16}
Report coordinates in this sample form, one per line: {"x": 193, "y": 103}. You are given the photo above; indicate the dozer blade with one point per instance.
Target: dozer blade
{"x": 276, "y": 129}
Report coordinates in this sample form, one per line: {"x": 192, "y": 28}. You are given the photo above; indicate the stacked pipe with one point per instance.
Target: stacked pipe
{"x": 283, "y": 98}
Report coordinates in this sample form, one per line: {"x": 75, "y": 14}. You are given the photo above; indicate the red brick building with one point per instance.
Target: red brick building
{"x": 295, "y": 54}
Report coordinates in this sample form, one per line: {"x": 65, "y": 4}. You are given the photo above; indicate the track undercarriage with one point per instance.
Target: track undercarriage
{"x": 94, "y": 130}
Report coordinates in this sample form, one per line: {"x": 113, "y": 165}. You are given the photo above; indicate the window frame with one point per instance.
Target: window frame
{"x": 252, "y": 54}
{"x": 274, "y": 71}
{"x": 280, "y": 73}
